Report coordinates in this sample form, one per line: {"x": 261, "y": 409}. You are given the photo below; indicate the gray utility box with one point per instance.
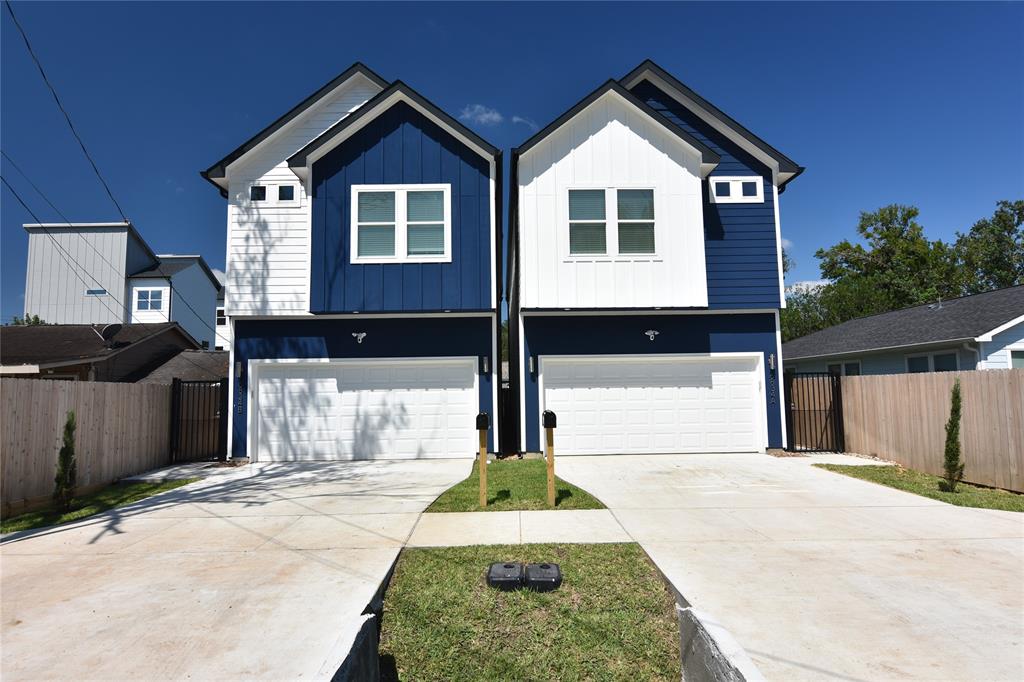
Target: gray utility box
{"x": 505, "y": 576}
{"x": 543, "y": 577}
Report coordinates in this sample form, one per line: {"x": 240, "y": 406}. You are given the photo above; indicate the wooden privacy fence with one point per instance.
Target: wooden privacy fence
{"x": 122, "y": 430}
{"x": 902, "y": 418}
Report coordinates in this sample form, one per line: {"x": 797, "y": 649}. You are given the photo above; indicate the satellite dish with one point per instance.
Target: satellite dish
{"x": 109, "y": 331}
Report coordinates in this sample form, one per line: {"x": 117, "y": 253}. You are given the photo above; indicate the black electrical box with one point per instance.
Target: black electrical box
{"x": 505, "y": 576}
{"x": 550, "y": 421}
{"x": 543, "y": 577}
{"x": 483, "y": 421}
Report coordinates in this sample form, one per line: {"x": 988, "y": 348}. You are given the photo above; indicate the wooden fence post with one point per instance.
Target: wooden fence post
{"x": 550, "y": 422}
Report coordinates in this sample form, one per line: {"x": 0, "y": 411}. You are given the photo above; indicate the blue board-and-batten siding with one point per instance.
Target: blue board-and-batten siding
{"x": 408, "y": 337}
{"x": 624, "y": 334}
{"x": 739, "y": 239}
{"x": 401, "y": 146}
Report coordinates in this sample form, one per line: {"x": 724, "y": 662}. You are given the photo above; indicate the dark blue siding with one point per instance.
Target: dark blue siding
{"x": 401, "y": 146}
{"x": 624, "y": 334}
{"x": 385, "y": 338}
{"x": 739, "y": 239}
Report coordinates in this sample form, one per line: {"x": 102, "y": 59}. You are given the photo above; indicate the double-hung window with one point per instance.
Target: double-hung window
{"x": 149, "y": 299}
{"x": 589, "y": 233}
{"x": 401, "y": 224}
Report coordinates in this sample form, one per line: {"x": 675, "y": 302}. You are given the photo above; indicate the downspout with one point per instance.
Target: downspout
{"x": 977, "y": 354}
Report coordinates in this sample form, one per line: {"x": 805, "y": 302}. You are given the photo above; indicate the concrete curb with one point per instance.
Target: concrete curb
{"x": 709, "y": 652}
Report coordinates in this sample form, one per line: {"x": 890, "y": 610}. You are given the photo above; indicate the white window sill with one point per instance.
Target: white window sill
{"x": 646, "y": 258}
{"x": 399, "y": 261}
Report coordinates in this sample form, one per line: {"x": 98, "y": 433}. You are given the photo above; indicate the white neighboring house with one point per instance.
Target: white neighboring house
{"x": 102, "y": 273}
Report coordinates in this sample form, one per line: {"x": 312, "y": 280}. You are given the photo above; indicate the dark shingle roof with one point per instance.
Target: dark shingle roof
{"x": 164, "y": 269}
{"x": 960, "y": 319}
{"x": 191, "y": 365}
{"x": 60, "y": 343}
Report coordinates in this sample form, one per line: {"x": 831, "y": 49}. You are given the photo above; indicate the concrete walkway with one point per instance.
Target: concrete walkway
{"x": 260, "y": 572}
{"x": 823, "y": 576}
{"x": 516, "y": 528}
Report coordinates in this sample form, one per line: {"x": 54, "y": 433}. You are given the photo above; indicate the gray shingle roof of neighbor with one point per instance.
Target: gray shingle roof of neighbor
{"x": 191, "y": 365}
{"x": 960, "y": 319}
{"x": 56, "y": 343}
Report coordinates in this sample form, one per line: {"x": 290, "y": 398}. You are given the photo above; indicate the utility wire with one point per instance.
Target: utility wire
{"x": 60, "y": 105}
{"x": 66, "y": 257}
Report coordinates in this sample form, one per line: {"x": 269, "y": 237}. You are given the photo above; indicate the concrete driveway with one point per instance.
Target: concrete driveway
{"x": 262, "y": 572}
{"x": 822, "y": 576}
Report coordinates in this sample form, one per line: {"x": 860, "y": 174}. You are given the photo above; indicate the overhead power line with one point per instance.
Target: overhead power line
{"x": 60, "y": 105}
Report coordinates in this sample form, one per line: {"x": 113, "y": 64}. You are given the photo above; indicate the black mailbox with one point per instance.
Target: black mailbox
{"x": 483, "y": 421}
{"x": 550, "y": 421}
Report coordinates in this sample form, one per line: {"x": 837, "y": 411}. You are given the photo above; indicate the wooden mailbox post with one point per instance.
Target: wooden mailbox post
{"x": 483, "y": 423}
{"x": 550, "y": 422}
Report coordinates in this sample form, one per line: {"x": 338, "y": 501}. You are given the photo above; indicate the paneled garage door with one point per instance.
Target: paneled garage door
{"x": 654, "y": 404}
{"x": 366, "y": 410}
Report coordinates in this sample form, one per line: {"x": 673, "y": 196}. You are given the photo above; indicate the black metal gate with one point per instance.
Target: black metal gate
{"x": 814, "y": 412}
{"x": 199, "y": 420}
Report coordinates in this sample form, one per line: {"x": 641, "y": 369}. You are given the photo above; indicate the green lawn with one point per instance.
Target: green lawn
{"x": 512, "y": 485}
{"x": 612, "y": 619}
{"x": 926, "y": 485}
{"x": 115, "y": 495}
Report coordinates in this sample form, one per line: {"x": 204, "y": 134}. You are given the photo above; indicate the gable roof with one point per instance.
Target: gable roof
{"x": 65, "y": 344}
{"x": 219, "y": 169}
{"x": 708, "y": 156}
{"x": 171, "y": 264}
{"x": 958, "y": 320}
{"x": 191, "y": 365}
{"x": 787, "y": 167}
{"x": 378, "y": 104}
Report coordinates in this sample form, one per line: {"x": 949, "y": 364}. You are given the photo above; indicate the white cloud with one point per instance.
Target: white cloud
{"x": 481, "y": 115}
{"x": 526, "y": 122}
{"x": 786, "y": 244}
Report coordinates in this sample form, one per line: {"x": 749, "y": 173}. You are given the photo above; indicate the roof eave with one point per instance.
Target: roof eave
{"x": 880, "y": 349}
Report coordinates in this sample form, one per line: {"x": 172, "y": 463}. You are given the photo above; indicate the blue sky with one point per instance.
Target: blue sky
{"x": 914, "y": 103}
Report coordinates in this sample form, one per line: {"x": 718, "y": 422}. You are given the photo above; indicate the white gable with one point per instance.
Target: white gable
{"x": 611, "y": 144}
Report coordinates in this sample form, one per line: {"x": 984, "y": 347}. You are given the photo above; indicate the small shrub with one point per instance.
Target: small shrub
{"x": 67, "y": 468}
{"x": 953, "y": 466}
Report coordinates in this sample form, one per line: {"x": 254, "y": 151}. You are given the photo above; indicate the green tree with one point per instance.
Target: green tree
{"x": 67, "y": 468}
{"x": 953, "y": 466}
{"x": 991, "y": 254}
{"x": 27, "y": 320}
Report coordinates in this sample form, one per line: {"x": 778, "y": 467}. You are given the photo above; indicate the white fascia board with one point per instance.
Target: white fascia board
{"x": 370, "y": 116}
{"x": 19, "y": 369}
{"x": 292, "y": 123}
{"x": 713, "y": 122}
{"x": 987, "y": 336}
{"x": 778, "y": 240}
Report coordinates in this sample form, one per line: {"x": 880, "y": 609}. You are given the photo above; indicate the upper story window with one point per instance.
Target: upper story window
{"x": 748, "y": 189}
{"x": 258, "y": 193}
{"x": 589, "y": 233}
{"x": 149, "y": 299}
{"x": 221, "y": 317}
{"x": 401, "y": 224}
{"x": 280, "y": 194}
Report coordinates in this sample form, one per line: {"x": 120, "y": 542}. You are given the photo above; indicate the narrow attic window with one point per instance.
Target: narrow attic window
{"x": 737, "y": 190}
{"x": 257, "y": 193}
{"x": 286, "y": 193}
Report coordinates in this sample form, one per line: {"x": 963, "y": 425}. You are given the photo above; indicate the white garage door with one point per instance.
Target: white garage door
{"x": 366, "y": 410}
{"x": 654, "y": 404}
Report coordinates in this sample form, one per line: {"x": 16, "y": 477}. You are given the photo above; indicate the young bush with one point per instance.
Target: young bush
{"x": 953, "y": 466}
{"x": 67, "y": 468}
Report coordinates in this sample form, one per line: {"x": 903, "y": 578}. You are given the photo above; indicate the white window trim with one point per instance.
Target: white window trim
{"x": 272, "y": 190}
{"x": 149, "y": 300}
{"x": 611, "y": 226}
{"x": 931, "y": 360}
{"x": 401, "y": 224}
{"x": 736, "y": 189}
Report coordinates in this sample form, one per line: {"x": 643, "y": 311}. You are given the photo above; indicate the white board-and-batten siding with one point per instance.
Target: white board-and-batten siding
{"x": 611, "y": 145}
{"x": 268, "y": 244}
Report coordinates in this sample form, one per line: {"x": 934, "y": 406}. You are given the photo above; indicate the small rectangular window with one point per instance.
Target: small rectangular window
{"x": 95, "y": 292}
{"x": 286, "y": 192}
{"x": 835, "y": 370}
{"x": 917, "y": 364}
{"x": 1017, "y": 359}
{"x": 851, "y": 369}
{"x": 636, "y": 221}
{"x": 587, "y": 222}
{"x": 946, "y": 362}
{"x": 222, "y": 319}
{"x": 149, "y": 299}
{"x": 737, "y": 190}
{"x": 257, "y": 193}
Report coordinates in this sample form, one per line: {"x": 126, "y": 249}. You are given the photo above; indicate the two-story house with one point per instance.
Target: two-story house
{"x": 362, "y": 278}
{"x": 645, "y": 275}
{"x": 104, "y": 273}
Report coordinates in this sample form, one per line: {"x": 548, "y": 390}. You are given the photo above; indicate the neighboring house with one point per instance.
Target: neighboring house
{"x": 190, "y": 365}
{"x": 362, "y": 278}
{"x": 102, "y": 273}
{"x": 645, "y": 275}
{"x": 79, "y": 352}
{"x": 984, "y": 331}
{"x": 223, "y": 341}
